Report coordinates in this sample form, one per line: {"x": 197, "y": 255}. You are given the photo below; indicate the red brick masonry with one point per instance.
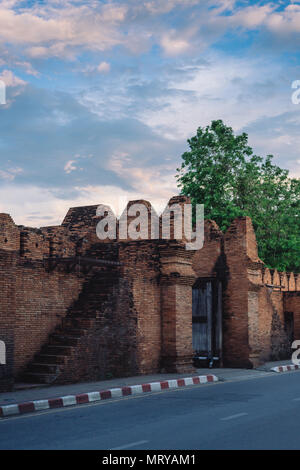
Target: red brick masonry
{"x": 64, "y": 321}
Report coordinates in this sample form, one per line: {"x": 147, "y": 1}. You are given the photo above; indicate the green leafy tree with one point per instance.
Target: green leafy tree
{"x": 221, "y": 171}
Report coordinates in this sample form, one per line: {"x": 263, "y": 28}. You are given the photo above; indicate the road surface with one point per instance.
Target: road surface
{"x": 261, "y": 413}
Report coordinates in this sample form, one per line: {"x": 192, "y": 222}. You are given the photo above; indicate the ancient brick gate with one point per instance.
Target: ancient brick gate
{"x": 207, "y": 322}
{"x": 144, "y": 325}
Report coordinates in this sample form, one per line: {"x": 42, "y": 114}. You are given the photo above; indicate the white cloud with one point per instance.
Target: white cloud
{"x": 156, "y": 182}
{"x": 172, "y": 100}
{"x": 165, "y": 6}
{"x": 69, "y": 166}
{"x": 27, "y": 66}
{"x": 174, "y": 45}
{"x": 52, "y": 28}
{"x": 103, "y": 67}
{"x": 225, "y": 88}
{"x": 285, "y": 21}
{"x": 10, "y": 79}
{"x": 41, "y": 207}
{"x": 63, "y": 28}
{"x": 252, "y": 16}
{"x": 10, "y": 173}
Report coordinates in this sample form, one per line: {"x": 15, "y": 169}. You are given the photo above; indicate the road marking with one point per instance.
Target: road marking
{"x": 233, "y": 416}
{"x": 132, "y": 444}
{"x": 296, "y": 399}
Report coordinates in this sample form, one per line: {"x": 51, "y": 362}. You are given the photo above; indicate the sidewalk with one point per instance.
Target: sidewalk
{"x": 270, "y": 365}
{"x": 55, "y": 391}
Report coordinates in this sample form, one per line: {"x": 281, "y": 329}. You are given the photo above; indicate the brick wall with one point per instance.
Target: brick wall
{"x": 254, "y": 327}
{"x": 108, "y": 347}
{"x": 144, "y": 323}
{"x": 33, "y": 300}
{"x": 41, "y": 300}
{"x": 177, "y": 279}
{"x": 292, "y": 305}
{"x": 8, "y": 260}
{"x": 236, "y": 329}
{"x": 141, "y": 271}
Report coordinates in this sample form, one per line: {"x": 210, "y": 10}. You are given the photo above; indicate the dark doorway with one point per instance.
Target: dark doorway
{"x": 289, "y": 326}
{"x": 207, "y": 322}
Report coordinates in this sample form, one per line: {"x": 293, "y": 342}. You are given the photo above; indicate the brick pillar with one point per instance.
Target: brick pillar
{"x": 241, "y": 317}
{"x": 176, "y": 281}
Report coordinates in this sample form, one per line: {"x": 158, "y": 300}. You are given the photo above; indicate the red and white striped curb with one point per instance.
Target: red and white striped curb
{"x": 69, "y": 400}
{"x": 285, "y": 368}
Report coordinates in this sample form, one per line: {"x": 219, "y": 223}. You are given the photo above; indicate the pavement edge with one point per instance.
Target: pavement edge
{"x": 91, "y": 397}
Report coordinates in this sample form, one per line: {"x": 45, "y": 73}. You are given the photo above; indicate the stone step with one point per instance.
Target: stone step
{"x": 85, "y": 311}
{"x": 87, "y": 314}
{"x": 27, "y": 386}
{"x": 90, "y": 301}
{"x": 95, "y": 295}
{"x": 76, "y": 332}
{"x": 83, "y": 306}
{"x": 50, "y": 359}
{"x": 101, "y": 288}
{"x": 84, "y": 314}
{"x": 63, "y": 340}
{"x": 37, "y": 378}
{"x": 77, "y": 322}
{"x": 41, "y": 368}
{"x": 57, "y": 350}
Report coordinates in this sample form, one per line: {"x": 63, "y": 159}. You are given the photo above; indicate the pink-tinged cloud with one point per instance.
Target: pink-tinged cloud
{"x": 252, "y": 16}
{"x": 10, "y": 79}
{"x": 69, "y": 166}
{"x": 49, "y": 31}
{"x": 173, "y": 45}
{"x": 104, "y": 67}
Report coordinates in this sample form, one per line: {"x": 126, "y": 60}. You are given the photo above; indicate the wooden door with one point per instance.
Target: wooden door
{"x": 207, "y": 321}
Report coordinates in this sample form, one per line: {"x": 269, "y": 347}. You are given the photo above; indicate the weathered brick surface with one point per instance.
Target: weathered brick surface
{"x": 254, "y": 327}
{"x": 8, "y": 260}
{"x": 72, "y": 322}
{"x": 140, "y": 268}
{"x": 9, "y": 233}
{"x": 41, "y": 300}
{"x": 177, "y": 278}
{"x": 236, "y": 349}
{"x": 210, "y": 260}
{"x": 292, "y": 305}
{"x": 106, "y": 346}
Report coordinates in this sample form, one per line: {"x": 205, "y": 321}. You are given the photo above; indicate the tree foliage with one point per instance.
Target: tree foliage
{"x": 221, "y": 171}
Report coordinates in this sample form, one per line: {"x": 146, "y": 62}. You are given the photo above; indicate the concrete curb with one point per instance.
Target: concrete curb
{"x": 285, "y": 368}
{"x": 71, "y": 400}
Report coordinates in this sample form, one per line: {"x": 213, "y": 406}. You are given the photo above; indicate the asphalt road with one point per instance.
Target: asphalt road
{"x": 259, "y": 413}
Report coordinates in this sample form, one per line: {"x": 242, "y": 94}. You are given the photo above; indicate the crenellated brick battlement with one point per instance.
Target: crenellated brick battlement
{"x": 51, "y": 276}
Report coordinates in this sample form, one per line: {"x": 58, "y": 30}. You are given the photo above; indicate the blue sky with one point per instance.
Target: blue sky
{"x": 102, "y": 95}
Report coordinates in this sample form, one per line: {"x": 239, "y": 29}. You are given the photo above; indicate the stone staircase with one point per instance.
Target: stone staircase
{"x": 51, "y": 364}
